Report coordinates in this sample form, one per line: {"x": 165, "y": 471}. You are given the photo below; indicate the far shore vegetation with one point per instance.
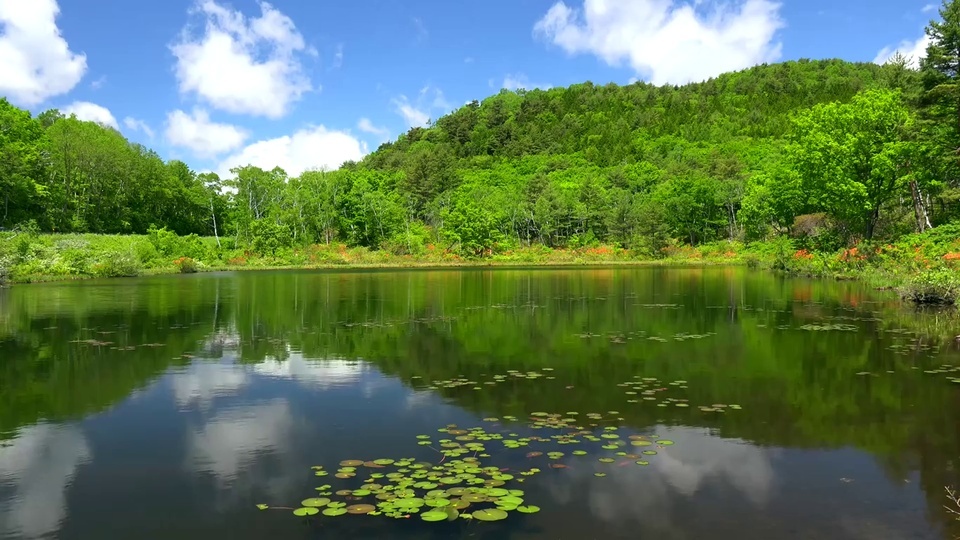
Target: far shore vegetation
{"x": 811, "y": 167}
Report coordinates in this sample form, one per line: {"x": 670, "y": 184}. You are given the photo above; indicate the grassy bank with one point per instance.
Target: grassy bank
{"x": 30, "y": 258}
{"x": 923, "y": 267}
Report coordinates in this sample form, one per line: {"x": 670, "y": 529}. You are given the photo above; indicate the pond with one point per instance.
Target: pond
{"x": 667, "y": 403}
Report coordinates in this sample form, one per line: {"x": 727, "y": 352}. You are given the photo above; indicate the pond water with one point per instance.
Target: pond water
{"x": 170, "y": 407}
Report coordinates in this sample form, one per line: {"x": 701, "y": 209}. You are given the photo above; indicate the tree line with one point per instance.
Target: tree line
{"x": 828, "y": 151}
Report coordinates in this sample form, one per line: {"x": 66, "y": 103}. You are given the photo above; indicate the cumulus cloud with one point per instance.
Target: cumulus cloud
{"x": 232, "y": 440}
{"x": 91, "y": 112}
{"x": 40, "y": 465}
{"x": 202, "y": 136}
{"x": 366, "y": 126}
{"x": 135, "y": 124}
{"x": 35, "y": 60}
{"x": 520, "y": 81}
{"x": 307, "y": 149}
{"x": 912, "y": 50}
{"x": 666, "y": 40}
{"x": 240, "y": 65}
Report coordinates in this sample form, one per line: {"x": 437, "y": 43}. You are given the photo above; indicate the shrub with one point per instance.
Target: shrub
{"x": 412, "y": 240}
{"x": 940, "y": 286}
{"x": 186, "y": 265}
{"x": 4, "y": 273}
{"x": 117, "y": 264}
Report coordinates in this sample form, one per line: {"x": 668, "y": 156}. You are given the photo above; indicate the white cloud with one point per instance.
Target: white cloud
{"x": 338, "y": 57}
{"x": 35, "y": 60}
{"x": 204, "y": 382}
{"x": 232, "y": 440}
{"x": 98, "y": 83}
{"x": 316, "y": 374}
{"x": 202, "y": 136}
{"x": 413, "y": 116}
{"x": 366, "y": 126}
{"x": 135, "y": 124}
{"x": 418, "y": 114}
{"x": 668, "y": 41}
{"x": 914, "y": 51}
{"x": 422, "y": 33}
{"x": 439, "y": 100}
{"x": 40, "y": 465}
{"x": 239, "y": 65}
{"x": 310, "y": 148}
{"x": 929, "y": 8}
{"x": 520, "y": 81}
{"x": 91, "y": 112}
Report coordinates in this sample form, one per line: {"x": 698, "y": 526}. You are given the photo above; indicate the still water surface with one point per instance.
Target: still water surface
{"x": 170, "y": 407}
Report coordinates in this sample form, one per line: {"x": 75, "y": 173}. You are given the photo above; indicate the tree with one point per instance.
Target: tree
{"x": 941, "y": 76}
{"x": 22, "y": 142}
{"x": 853, "y": 158}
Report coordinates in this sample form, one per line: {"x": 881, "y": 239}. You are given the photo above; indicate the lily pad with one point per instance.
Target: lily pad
{"x": 358, "y": 509}
{"x": 434, "y": 515}
{"x": 529, "y": 509}
{"x": 315, "y": 502}
{"x": 306, "y": 511}
{"x": 334, "y": 512}
{"x": 490, "y": 514}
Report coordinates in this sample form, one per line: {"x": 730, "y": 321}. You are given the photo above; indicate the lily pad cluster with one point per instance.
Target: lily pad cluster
{"x": 461, "y": 485}
{"x": 653, "y": 390}
{"x": 511, "y": 374}
{"x": 952, "y": 372}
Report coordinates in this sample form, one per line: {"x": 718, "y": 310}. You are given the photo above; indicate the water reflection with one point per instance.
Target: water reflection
{"x": 36, "y": 471}
{"x": 230, "y": 441}
{"x": 241, "y": 383}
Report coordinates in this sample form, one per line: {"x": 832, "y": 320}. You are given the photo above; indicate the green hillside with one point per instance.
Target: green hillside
{"x": 827, "y": 152}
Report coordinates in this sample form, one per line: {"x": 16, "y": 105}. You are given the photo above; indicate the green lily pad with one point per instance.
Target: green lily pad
{"x": 665, "y": 443}
{"x": 334, "y": 512}
{"x": 316, "y": 502}
{"x": 490, "y": 514}
{"x": 306, "y": 511}
{"x": 262, "y": 506}
{"x": 529, "y": 509}
{"x": 434, "y": 515}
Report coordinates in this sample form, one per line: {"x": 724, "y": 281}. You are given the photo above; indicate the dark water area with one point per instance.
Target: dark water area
{"x": 170, "y": 407}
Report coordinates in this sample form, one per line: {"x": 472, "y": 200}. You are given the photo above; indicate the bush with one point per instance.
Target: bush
{"x": 186, "y": 265}
{"x": 4, "y": 274}
{"x": 117, "y": 264}
{"x": 412, "y": 240}
{"x": 940, "y": 286}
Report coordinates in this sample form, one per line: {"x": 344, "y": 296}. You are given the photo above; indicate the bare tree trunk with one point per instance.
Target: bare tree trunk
{"x": 919, "y": 210}
{"x": 213, "y": 214}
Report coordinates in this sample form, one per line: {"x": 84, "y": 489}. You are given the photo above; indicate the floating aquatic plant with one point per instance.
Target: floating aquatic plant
{"x": 461, "y": 484}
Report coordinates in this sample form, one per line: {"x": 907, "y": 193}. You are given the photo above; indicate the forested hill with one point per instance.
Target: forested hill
{"x": 612, "y": 124}
{"x": 639, "y": 165}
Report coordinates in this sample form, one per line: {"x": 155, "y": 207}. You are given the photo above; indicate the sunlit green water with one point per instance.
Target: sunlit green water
{"x": 171, "y": 406}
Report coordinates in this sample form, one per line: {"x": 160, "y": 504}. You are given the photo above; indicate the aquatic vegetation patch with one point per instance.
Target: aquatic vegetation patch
{"x": 462, "y": 484}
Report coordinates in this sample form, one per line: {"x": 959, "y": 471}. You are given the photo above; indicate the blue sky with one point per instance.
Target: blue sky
{"x": 308, "y": 84}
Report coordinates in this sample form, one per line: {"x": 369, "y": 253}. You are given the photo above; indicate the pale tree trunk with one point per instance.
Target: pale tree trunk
{"x": 919, "y": 210}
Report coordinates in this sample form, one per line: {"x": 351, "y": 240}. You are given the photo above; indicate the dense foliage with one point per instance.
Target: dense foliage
{"x": 830, "y": 152}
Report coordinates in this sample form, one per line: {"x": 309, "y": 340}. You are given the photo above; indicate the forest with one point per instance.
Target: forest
{"x": 821, "y": 155}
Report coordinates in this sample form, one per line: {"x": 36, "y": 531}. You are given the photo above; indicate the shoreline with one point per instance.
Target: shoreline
{"x": 36, "y": 279}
